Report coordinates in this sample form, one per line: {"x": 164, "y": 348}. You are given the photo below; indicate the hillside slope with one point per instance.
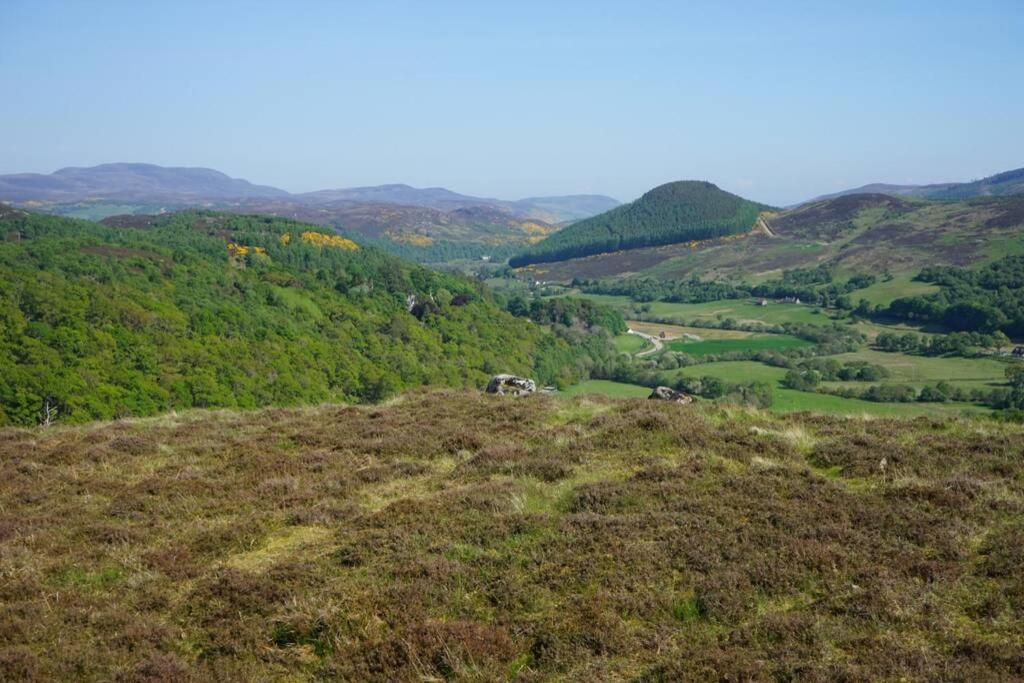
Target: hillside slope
{"x": 456, "y": 536}
{"x": 674, "y": 212}
{"x": 869, "y": 233}
{"x": 204, "y": 309}
{"x": 420, "y": 233}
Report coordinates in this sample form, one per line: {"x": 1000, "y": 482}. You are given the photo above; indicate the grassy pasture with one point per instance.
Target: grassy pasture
{"x": 882, "y": 293}
{"x": 789, "y": 400}
{"x": 741, "y": 310}
{"x": 920, "y": 370}
{"x": 765, "y": 342}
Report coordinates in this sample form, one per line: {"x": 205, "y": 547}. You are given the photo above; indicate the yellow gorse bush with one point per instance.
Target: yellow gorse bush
{"x": 322, "y": 240}
{"x": 242, "y": 249}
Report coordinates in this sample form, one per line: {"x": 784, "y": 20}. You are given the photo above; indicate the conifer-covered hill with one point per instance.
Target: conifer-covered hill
{"x": 674, "y": 212}
{"x": 204, "y": 309}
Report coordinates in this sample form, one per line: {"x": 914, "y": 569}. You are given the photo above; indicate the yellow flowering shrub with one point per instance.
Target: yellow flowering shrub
{"x": 322, "y": 240}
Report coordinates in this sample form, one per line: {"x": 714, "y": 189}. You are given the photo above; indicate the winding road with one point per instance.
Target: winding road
{"x": 658, "y": 345}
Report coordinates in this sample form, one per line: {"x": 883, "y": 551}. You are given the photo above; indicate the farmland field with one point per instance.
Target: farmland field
{"x": 740, "y": 310}
{"x": 785, "y": 400}
{"x": 735, "y": 371}
{"x": 773, "y": 342}
{"x": 882, "y": 293}
{"x": 920, "y": 370}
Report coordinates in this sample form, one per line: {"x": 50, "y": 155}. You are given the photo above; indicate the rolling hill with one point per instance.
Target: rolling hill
{"x": 201, "y": 309}
{"x": 419, "y": 233}
{"x": 129, "y": 182}
{"x": 870, "y": 233}
{"x": 998, "y": 185}
{"x": 675, "y": 212}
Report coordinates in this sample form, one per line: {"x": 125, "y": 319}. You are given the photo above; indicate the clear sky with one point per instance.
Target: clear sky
{"x": 778, "y": 101}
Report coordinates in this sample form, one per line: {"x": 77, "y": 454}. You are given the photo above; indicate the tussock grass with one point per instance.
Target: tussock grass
{"x": 447, "y": 535}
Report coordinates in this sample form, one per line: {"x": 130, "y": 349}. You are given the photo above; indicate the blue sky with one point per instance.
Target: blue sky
{"x": 778, "y": 101}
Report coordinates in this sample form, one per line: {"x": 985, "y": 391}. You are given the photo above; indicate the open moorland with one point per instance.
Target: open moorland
{"x": 446, "y": 536}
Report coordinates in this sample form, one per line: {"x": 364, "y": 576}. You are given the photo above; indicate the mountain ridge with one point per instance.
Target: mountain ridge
{"x": 997, "y": 185}
{"x": 143, "y": 182}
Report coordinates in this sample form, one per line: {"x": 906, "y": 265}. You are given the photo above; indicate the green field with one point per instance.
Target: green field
{"x": 735, "y": 371}
{"x": 773, "y": 342}
{"x": 921, "y": 370}
{"x": 740, "y": 310}
{"x": 902, "y": 284}
{"x": 608, "y": 388}
{"x": 785, "y": 400}
{"x": 630, "y": 343}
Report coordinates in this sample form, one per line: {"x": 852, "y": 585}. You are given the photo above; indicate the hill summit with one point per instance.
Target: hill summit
{"x": 675, "y": 212}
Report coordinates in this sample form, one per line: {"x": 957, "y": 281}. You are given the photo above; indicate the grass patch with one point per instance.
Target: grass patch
{"x": 630, "y": 343}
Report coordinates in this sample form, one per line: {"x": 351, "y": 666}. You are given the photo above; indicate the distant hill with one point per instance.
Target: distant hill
{"x": 565, "y": 208}
{"x": 674, "y": 212}
{"x": 548, "y": 209}
{"x": 202, "y": 309}
{"x": 82, "y": 192}
{"x": 433, "y": 197}
{"x": 420, "y": 233}
{"x": 123, "y": 181}
{"x": 1001, "y": 184}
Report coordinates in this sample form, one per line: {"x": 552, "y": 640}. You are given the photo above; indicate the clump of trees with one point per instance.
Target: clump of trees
{"x": 983, "y": 300}
{"x": 813, "y": 286}
{"x": 954, "y": 344}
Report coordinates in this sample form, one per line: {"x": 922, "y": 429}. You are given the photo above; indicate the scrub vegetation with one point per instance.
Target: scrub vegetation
{"x": 447, "y": 535}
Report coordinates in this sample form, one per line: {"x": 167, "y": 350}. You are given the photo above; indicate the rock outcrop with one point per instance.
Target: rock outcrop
{"x": 510, "y": 385}
{"x": 669, "y": 394}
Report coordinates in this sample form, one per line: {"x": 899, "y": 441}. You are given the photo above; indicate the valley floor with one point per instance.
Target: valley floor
{"x": 450, "y": 535}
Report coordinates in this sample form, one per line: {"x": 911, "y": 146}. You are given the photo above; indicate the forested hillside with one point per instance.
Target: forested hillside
{"x": 674, "y": 212}
{"x": 206, "y": 310}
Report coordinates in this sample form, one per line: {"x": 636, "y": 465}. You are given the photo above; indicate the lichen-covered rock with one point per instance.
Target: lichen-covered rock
{"x": 510, "y": 385}
{"x": 669, "y": 394}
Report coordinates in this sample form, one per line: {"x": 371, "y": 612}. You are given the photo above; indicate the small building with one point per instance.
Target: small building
{"x": 1018, "y": 352}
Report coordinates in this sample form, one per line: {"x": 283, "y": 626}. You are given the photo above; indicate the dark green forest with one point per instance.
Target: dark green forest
{"x": 674, "y": 212}
{"x": 217, "y": 310}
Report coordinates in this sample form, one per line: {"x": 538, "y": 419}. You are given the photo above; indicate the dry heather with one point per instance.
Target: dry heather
{"x": 449, "y": 535}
